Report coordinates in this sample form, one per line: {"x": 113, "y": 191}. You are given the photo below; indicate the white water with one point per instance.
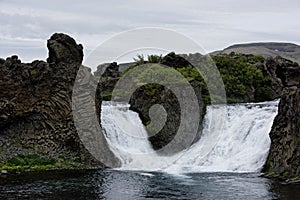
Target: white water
{"x": 234, "y": 139}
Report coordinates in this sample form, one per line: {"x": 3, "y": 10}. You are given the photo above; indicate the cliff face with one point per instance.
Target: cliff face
{"x": 35, "y": 104}
{"x": 284, "y": 156}
{"x": 284, "y": 74}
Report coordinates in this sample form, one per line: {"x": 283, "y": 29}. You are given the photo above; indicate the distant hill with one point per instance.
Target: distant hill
{"x": 269, "y": 49}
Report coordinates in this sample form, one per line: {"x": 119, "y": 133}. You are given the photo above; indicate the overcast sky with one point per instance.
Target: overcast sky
{"x": 26, "y": 25}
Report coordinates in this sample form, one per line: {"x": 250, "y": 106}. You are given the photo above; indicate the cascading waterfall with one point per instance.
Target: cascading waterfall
{"x": 239, "y": 144}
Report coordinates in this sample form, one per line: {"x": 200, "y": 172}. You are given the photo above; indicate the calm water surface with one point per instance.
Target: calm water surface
{"x": 109, "y": 184}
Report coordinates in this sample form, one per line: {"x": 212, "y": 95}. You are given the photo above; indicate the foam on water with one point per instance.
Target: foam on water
{"x": 235, "y": 138}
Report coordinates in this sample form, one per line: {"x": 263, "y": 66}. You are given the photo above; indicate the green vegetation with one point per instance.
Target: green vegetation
{"x": 154, "y": 58}
{"x": 139, "y": 60}
{"x": 106, "y": 95}
{"x": 150, "y": 59}
{"x": 243, "y": 80}
{"x": 33, "y": 74}
{"x": 35, "y": 162}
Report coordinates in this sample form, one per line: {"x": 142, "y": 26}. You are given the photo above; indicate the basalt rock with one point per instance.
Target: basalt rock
{"x": 110, "y": 70}
{"x": 284, "y": 73}
{"x": 163, "y": 127}
{"x": 284, "y": 155}
{"x": 63, "y": 48}
{"x": 176, "y": 61}
{"x": 108, "y": 75}
{"x": 35, "y": 104}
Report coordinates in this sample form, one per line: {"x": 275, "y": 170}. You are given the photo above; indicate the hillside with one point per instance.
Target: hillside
{"x": 269, "y": 49}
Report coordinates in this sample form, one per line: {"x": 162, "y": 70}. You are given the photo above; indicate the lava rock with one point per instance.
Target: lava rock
{"x": 35, "y": 104}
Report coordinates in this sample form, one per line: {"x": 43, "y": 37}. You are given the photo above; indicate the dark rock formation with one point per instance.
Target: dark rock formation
{"x": 35, "y": 104}
{"x": 284, "y": 73}
{"x": 63, "y": 48}
{"x": 175, "y": 61}
{"x": 110, "y": 70}
{"x": 108, "y": 75}
{"x": 284, "y": 155}
{"x": 150, "y": 95}
{"x": 141, "y": 102}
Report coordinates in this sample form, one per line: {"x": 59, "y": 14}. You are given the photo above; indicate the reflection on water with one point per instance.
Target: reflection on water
{"x": 106, "y": 184}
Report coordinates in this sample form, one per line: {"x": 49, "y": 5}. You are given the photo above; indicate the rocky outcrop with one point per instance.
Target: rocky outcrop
{"x": 108, "y": 70}
{"x": 163, "y": 129}
{"x": 108, "y": 75}
{"x": 35, "y": 104}
{"x": 175, "y": 61}
{"x": 284, "y": 155}
{"x": 284, "y": 74}
{"x": 141, "y": 102}
{"x": 163, "y": 126}
{"x": 63, "y": 48}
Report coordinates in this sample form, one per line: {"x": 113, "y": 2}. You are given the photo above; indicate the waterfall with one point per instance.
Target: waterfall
{"x": 236, "y": 140}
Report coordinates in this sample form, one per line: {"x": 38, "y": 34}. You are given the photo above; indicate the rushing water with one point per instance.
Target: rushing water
{"x": 223, "y": 164}
{"x": 234, "y": 139}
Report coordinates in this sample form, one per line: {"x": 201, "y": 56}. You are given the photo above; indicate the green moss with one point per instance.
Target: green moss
{"x": 97, "y": 78}
{"x": 33, "y": 73}
{"x": 30, "y": 160}
{"x": 286, "y": 174}
{"x": 266, "y": 166}
{"x": 37, "y": 163}
{"x": 106, "y": 96}
{"x": 206, "y": 99}
{"x": 271, "y": 175}
{"x": 295, "y": 179}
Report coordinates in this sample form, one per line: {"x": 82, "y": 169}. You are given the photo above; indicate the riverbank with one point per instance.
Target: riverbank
{"x": 26, "y": 163}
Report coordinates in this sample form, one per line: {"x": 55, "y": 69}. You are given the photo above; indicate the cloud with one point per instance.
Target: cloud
{"x": 213, "y": 24}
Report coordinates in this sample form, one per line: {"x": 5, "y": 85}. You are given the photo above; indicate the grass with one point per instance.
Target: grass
{"x": 35, "y": 162}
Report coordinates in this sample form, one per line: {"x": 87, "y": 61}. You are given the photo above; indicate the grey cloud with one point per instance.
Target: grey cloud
{"x": 214, "y": 24}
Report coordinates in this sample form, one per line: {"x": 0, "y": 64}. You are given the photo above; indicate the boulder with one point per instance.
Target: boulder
{"x": 63, "y": 48}
{"x": 176, "y": 61}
